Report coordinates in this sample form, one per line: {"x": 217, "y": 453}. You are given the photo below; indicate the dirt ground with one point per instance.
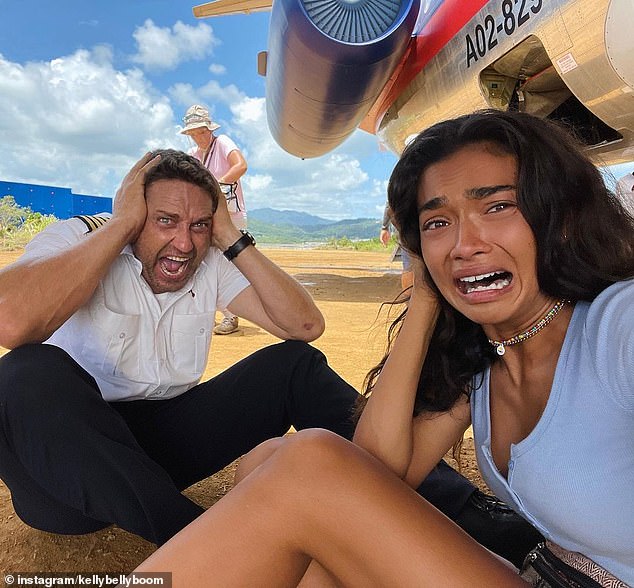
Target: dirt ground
{"x": 349, "y": 288}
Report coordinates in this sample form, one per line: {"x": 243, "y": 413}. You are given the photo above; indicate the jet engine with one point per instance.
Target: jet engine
{"x": 326, "y": 64}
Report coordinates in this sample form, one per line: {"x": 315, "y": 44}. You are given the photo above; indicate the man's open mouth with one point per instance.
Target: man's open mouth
{"x": 173, "y": 266}
{"x": 485, "y": 282}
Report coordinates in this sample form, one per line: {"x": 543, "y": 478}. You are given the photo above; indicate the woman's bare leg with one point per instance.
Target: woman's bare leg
{"x": 321, "y": 497}
{"x": 316, "y": 576}
{"x": 256, "y": 457}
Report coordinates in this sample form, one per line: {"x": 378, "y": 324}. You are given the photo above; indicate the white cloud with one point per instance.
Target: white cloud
{"x": 248, "y": 110}
{"x": 183, "y": 94}
{"x": 342, "y": 171}
{"x": 162, "y": 48}
{"x": 214, "y": 92}
{"x": 217, "y": 69}
{"x": 76, "y": 121}
{"x": 256, "y": 182}
{"x": 80, "y": 122}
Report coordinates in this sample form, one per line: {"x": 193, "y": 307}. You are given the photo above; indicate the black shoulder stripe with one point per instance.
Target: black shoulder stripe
{"x": 93, "y": 222}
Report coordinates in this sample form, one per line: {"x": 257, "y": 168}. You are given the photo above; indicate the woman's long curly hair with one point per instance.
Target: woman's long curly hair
{"x": 584, "y": 237}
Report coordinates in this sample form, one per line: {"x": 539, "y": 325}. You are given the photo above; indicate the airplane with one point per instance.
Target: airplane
{"x": 395, "y": 67}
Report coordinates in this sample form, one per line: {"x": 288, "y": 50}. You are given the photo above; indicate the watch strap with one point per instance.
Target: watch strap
{"x": 242, "y": 243}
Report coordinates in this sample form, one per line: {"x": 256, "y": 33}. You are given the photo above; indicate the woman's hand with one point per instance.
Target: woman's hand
{"x": 421, "y": 290}
{"x": 386, "y": 426}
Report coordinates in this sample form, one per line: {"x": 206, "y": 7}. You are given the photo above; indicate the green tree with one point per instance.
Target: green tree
{"x": 19, "y": 224}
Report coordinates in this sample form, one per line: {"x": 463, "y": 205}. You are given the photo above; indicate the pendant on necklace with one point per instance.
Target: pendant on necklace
{"x": 500, "y": 349}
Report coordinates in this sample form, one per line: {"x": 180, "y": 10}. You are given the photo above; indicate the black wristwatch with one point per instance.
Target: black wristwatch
{"x": 242, "y": 243}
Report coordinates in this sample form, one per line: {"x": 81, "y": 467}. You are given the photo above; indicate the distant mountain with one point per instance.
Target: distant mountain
{"x": 286, "y": 217}
{"x": 287, "y": 226}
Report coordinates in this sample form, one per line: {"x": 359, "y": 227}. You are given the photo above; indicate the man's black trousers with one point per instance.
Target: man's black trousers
{"x": 75, "y": 463}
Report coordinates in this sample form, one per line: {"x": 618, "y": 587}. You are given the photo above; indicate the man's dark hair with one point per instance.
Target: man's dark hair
{"x": 584, "y": 237}
{"x": 177, "y": 165}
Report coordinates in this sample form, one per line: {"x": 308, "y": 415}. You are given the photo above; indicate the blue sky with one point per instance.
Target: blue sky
{"x": 87, "y": 87}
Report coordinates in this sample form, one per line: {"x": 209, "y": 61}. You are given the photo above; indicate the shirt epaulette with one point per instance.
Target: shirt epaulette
{"x": 93, "y": 222}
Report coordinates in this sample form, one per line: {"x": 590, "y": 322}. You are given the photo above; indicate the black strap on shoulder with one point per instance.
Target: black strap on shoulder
{"x": 93, "y": 222}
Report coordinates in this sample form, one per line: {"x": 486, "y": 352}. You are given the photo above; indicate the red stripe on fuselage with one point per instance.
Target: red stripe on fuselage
{"x": 443, "y": 26}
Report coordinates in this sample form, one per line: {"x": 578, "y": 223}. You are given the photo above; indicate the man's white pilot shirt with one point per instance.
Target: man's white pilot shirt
{"x": 134, "y": 343}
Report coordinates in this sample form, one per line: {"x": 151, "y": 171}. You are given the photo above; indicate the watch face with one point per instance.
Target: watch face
{"x": 249, "y": 235}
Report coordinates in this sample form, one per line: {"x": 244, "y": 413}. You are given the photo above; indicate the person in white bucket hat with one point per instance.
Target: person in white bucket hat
{"x": 223, "y": 159}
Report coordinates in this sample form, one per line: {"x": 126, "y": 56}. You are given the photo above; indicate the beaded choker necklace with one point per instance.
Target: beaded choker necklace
{"x": 536, "y": 328}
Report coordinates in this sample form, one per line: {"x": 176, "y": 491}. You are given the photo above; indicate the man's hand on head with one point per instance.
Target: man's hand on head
{"x": 129, "y": 205}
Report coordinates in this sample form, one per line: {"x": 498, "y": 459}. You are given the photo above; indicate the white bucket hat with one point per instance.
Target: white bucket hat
{"x": 197, "y": 116}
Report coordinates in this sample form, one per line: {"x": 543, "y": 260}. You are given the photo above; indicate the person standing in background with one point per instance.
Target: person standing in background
{"x": 407, "y": 276}
{"x": 221, "y": 156}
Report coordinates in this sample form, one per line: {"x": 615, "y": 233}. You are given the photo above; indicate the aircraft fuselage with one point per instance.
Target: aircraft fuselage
{"x": 571, "y": 60}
